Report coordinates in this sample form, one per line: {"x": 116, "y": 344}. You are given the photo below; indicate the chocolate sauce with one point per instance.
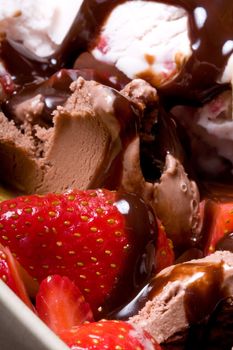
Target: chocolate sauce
{"x": 142, "y": 231}
{"x": 165, "y": 138}
{"x": 55, "y": 91}
{"x": 202, "y": 294}
{"x": 24, "y": 66}
{"x": 211, "y": 34}
{"x": 110, "y": 174}
{"x": 218, "y": 333}
{"x": 226, "y": 243}
{"x": 211, "y": 37}
{"x": 190, "y": 254}
{"x": 215, "y": 334}
{"x": 102, "y": 72}
{"x": 210, "y": 31}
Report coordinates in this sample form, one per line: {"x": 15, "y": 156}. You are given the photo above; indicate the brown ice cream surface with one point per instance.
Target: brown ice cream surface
{"x": 72, "y": 153}
{"x": 174, "y": 198}
{"x": 176, "y": 202}
{"x": 95, "y": 142}
{"x": 185, "y": 294}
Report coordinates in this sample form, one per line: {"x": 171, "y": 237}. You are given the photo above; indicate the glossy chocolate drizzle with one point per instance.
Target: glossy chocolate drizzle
{"x": 210, "y": 31}
{"x": 201, "y": 296}
{"x": 142, "y": 230}
{"x": 211, "y": 37}
{"x": 226, "y": 243}
{"x": 110, "y": 174}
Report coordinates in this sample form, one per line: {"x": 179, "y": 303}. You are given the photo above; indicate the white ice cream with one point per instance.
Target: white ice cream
{"x": 211, "y": 124}
{"x": 145, "y": 39}
{"x": 39, "y": 24}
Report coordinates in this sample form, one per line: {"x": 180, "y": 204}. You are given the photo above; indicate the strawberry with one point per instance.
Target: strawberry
{"x": 108, "y": 335}
{"x": 10, "y": 274}
{"x": 97, "y": 238}
{"x": 60, "y": 304}
{"x": 164, "y": 255}
{"x": 220, "y": 223}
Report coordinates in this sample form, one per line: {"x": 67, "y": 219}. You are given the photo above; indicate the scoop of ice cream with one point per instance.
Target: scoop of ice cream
{"x": 145, "y": 39}
{"x": 83, "y": 148}
{"x": 176, "y": 202}
{"x": 174, "y": 198}
{"x": 182, "y": 295}
{"x": 40, "y": 25}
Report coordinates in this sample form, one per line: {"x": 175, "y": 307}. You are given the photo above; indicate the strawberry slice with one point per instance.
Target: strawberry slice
{"x": 108, "y": 335}
{"x": 60, "y": 304}
{"x": 164, "y": 255}
{"x": 11, "y": 275}
{"x": 97, "y": 238}
{"x": 220, "y": 223}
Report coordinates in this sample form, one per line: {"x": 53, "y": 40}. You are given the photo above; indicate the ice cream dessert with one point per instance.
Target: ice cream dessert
{"x": 40, "y": 26}
{"x": 128, "y": 105}
{"x": 191, "y": 291}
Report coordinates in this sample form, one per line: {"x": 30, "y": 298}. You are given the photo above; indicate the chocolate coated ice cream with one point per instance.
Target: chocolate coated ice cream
{"x": 81, "y": 149}
{"x": 68, "y": 120}
{"x": 183, "y": 295}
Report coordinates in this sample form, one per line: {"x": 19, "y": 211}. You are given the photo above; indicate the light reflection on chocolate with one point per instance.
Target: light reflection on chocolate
{"x": 210, "y": 31}
{"x": 140, "y": 223}
{"x": 203, "y": 291}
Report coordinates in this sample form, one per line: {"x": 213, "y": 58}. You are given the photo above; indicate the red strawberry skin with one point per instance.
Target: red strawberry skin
{"x": 108, "y": 335}
{"x": 79, "y": 234}
{"x": 10, "y": 273}
{"x": 60, "y": 304}
{"x": 220, "y": 223}
{"x": 5, "y": 271}
{"x": 164, "y": 256}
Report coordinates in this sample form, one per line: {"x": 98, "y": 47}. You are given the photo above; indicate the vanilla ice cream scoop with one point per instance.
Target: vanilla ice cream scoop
{"x": 142, "y": 39}
{"x": 145, "y": 39}
{"x": 40, "y": 25}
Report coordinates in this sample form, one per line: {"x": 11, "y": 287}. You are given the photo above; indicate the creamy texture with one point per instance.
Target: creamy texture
{"x": 40, "y": 25}
{"x": 190, "y": 291}
{"x": 145, "y": 39}
{"x": 82, "y": 149}
{"x": 176, "y": 201}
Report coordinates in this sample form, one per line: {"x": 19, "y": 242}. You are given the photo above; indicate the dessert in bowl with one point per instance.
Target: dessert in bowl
{"x": 119, "y": 138}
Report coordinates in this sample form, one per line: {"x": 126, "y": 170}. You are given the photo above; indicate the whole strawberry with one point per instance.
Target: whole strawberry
{"x": 108, "y": 335}
{"x": 97, "y": 238}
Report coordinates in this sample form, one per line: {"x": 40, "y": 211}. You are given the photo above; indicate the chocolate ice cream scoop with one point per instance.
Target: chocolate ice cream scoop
{"x": 175, "y": 199}
{"x": 176, "y": 202}
{"x": 83, "y": 148}
{"x": 182, "y": 295}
